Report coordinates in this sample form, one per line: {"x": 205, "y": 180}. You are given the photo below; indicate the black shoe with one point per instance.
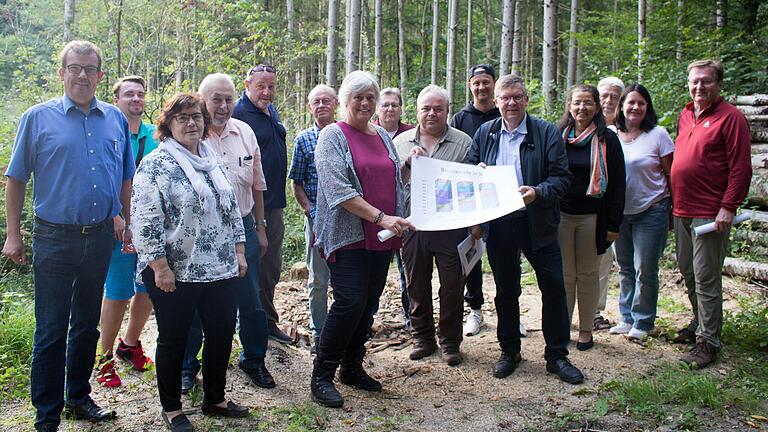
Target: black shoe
{"x": 278, "y": 335}
{"x": 260, "y": 376}
{"x": 231, "y": 410}
{"x": 452, "y": 356}
{"x": 583, "y": 346}
{"x": 88, "y": 410}
{"x": 506, "y": 365}
{"x": 356, "y": 376}
{"x": 180, "y": 423}
{"x": 47, "y": 427}
{"x": 565, "y": 370}
{"x": 321, "y": 385}
{"x": 188, "y": 382}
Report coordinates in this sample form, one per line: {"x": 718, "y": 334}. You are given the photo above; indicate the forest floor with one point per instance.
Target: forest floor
{"x": 428, "y": 395}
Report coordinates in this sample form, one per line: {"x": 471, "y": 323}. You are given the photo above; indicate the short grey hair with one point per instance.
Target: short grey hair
{"x": 430, "y": 89}
{"x": 319, "y": 89}
{"x": 81, "y": 47}
{"x": 507, "y": 81}
{"x": 212, "y": 79}
{"x": 355, "y": 83}
{"x": 392, "y": 91}
{"x": 611, "y": 81}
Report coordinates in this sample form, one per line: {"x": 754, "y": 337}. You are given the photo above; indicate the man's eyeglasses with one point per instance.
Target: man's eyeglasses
{"x": 390, "y": 105}
{"x": 75, "y": 69}
{"x": 506, "y": 99}
{"x": 319, "y": 102}
{"x": 184, "y": 118}
{"x": 262, "y": 68}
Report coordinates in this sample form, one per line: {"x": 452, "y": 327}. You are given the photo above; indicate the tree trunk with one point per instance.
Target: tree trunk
{"x": 615, "y": 60}
{"x": 679, "y": 43}
{"x": 507, "y": 23}
{"x": 721, "y": 11}
{"x": 549, "y": 53}
{"x": 640, "y": 38}
{"x": 363, "y": 43}
{"x": 69, "y": 19}
{"x": 423, "y": 44}
{"x": 333, "y": 43}
{"x": 571, "y": 77}
{"x": 119, "y": 39}
{"x": 488, "y": 15}
{"x": 289, "y": 15}
{"x": 517, "y": 37}
{"x": 435, "y": 39}
{"x": 401, "y": 48}
{"x": 450, "y": 57}
{"x": 377, "y": 40}
{"x": 468, "y": 53}
{"x": 747, "y": 269}
{"x": 749, "y": 19}
{"x": 353, "y": 63}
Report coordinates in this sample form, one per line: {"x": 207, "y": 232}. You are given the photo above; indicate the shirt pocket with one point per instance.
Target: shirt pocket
{"x": 244, "y": 172}
{"x": 113, "y": 154}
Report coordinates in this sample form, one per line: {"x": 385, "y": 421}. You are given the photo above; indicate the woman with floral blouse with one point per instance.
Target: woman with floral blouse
{"x": 190, "y": 243}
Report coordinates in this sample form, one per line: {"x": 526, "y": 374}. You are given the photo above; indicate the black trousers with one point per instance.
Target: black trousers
{"x": 357, "y": 277}
{"x": 215, "y": 303}
{"x": 507, "y": 237}
{"x": 474, "y": 293}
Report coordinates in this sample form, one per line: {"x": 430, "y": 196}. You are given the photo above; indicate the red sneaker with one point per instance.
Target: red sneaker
{"x": 134, "y": 355}
{"x": 106, "y": 374}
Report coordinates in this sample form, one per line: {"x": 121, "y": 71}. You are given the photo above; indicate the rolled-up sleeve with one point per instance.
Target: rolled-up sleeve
{"x": 22, "y": 160}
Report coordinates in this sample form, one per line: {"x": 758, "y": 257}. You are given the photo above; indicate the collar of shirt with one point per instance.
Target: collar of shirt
{"x": 143, "y": 131}
{"x": 692, "y": 108}
{"x": 521, "y": 129}
{"x": 67, "y": 104}
{"x": 417, "y": 137}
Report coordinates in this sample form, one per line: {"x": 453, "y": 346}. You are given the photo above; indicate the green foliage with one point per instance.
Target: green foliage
{"x": 747, "y": 328}
{"x": 296, "y": 418}
{"x": 17, "y": 325}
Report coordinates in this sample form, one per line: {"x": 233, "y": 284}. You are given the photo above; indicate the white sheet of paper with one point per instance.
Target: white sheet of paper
{"x": 449, "y": 195}
{"x": 470, "y": 252}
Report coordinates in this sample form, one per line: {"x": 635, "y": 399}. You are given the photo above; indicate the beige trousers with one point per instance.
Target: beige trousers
{"x": 580, "y": 266}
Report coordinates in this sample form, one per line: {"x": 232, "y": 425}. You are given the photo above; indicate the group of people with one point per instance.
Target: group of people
{"x": 187, "y": 220}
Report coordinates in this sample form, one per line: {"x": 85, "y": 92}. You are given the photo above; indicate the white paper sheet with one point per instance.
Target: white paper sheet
{"x": 470, "y": 251}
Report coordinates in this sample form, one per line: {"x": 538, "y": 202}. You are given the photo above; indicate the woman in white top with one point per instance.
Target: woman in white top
{"x": 643, "y": 233}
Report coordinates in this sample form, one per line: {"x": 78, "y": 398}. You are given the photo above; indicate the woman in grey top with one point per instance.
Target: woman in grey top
{"x": 361, "y": 193}
{"x": 190, "y": 244}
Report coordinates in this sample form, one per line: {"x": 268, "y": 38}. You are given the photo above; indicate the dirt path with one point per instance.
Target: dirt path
{"x": 425, "y": 395}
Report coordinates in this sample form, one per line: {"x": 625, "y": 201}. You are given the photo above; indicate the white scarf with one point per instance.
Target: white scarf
{"x": 208, "y": 161}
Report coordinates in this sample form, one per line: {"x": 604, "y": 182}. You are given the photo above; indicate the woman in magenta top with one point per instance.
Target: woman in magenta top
{"x": 360, "y": 193}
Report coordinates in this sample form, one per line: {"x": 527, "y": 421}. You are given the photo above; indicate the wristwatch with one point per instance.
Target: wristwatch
{"x": 261, "y": 222}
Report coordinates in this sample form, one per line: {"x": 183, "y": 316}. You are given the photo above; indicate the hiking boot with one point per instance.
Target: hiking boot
{"x": 352, "y": 373}
{"x": 321, "y": 384}
{"x": 134, "y": 355}
{"x": 452, "y": 356}
{"x": 422, "y": 348}
{"x": 474, "y": 322}
{"x": 106, "y": 374}
{"x": 685, "y": 336}
{"x": 701, "y": 355}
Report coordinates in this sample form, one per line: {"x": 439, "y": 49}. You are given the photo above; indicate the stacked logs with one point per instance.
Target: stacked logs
{"x": 753, "y": 236}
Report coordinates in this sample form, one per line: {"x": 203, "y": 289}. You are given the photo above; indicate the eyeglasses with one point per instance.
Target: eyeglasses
{"x": 184, "y": 118}
{"x": 390, "y": 105}
{"x": 319, "y": 102}
{"x": 505, "y": 99}
{"x": 704, "y": 82}
{"x": 583, "y": 103}
{"x": 75, "y": 69}
{"x": 262, "y": 68}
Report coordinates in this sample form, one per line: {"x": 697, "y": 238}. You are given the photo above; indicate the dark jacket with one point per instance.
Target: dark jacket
{"x": 611, "y": 205}
{"x": 544, "y": 166}
{"x": 469, "y": 119}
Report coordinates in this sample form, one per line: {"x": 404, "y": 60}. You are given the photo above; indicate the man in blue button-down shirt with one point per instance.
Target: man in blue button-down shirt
{"x": 79, "y": 150}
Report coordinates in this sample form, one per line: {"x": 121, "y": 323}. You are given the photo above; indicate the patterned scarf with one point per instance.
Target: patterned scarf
{"x": 598, "y": 179}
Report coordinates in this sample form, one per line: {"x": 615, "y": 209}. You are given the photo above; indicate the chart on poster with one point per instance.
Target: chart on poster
{"x": 449, "y": 195}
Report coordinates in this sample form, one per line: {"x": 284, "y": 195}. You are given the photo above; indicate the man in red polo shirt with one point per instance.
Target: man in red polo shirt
{"x": 710, "y": 178}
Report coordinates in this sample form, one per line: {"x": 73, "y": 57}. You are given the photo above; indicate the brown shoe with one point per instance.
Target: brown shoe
{"x": 452, "y": 356}
{"x": 701, "y": 355}
{"x": 685, "y": 336}
{"x": 422, "y": 348}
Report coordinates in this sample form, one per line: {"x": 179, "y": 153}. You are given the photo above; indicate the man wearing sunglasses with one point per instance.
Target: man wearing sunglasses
{"x": 79, "y": 149}
{"x": 255, "y": 108}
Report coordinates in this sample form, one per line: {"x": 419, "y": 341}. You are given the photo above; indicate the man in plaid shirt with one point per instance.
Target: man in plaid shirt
{"x": 322, "y": 105}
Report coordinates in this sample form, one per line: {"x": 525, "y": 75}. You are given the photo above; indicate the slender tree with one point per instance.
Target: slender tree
{"x": 69, "y": 19}
{"x": 450, "y": 57}
{"x": 353, "y": 49}
{"x": 489, "y": 45}
{"x": 571, "y": 78}
{"x": 468, "y": 47}
{"x": 435, "y": 39}
{"x": 517, "y": 38}
{"x": 549, "y": 53}
{"x": 640, "y": 38}
{"x": 507, "y": 23}
{"x": 401, "y": 47}
{"x": 333, "y": 43}
{"x": 721, "y": 11}
{"x": 377, "y": 40}
{"x": 679, "y": 42}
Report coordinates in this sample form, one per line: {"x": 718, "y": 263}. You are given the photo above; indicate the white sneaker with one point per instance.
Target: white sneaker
{"x": 474, "y": 322}
{"x": 523, "y": 331}
{"x": 637, "y": 334}
{"x": 621, "y": 328}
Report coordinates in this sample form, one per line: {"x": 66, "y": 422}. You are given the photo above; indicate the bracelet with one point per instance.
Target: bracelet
{"x": 379, "y": 217}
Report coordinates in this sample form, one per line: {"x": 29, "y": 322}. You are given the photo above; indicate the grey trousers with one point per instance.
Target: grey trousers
{"x": 700, "y": 259}
{"x": 272, "y": 262}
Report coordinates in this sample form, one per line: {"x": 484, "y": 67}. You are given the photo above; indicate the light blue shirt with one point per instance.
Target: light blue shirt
{"x": 509, "y": 147}
{"x": 79, "y": 160}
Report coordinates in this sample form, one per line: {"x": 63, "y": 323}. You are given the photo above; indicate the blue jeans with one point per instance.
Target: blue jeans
{"x": 639, "y": 247}
{"x": 317, "y": 282}
{"x": 252, "y": 320}
{"x": 69, "y": 272}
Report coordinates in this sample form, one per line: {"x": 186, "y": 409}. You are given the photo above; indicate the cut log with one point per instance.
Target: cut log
{"x": 752, "y": 237}
{"x": 759, "y": 160}
{"x": 756, "y": 119}
{"x": 758, "y": 134}
{"x": 754, "y": 100}
{"x": 758, "y": 188}
{"x": 759, "y": 217}
{"x": 758, "y": 148}
{"x": 747, "y": 269}
{"x": 753, "y": 110}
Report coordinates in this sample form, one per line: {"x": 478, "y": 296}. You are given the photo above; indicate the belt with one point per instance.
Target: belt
{"x": 82, "y": 229}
